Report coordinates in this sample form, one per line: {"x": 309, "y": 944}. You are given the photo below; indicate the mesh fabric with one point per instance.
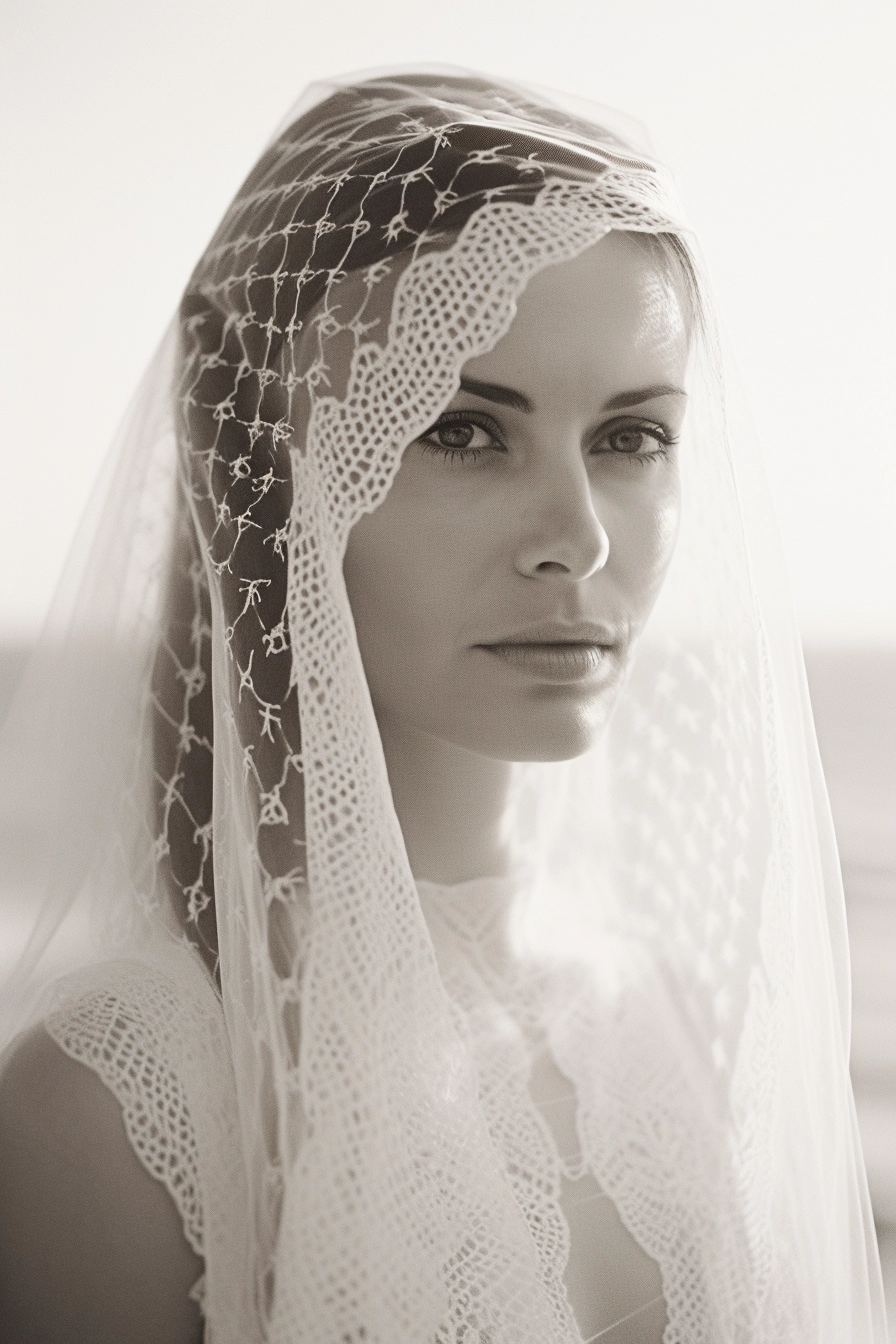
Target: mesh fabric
{"x": 351, "y": 1062}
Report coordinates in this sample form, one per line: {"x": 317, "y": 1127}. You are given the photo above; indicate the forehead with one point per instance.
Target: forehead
{"x": 614, "y": 313}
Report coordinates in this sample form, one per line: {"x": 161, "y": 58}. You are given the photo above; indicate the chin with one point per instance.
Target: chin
{"x": 550, "y": 730}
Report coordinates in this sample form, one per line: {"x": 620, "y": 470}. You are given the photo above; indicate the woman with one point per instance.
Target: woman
{"x": 420, "y": 999}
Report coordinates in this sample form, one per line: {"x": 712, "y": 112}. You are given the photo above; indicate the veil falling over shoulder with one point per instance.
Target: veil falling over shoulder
{"x": 221, "y": 917}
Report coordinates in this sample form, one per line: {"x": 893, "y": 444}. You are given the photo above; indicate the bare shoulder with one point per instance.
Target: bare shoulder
{"x": 91, "y": 1245}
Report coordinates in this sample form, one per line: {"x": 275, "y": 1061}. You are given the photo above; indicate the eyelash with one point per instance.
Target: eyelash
{"x": 649, "y": 428}
{"x": 477, "y": 418}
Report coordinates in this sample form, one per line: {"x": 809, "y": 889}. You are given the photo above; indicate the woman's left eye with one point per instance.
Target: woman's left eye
{"x": 644, "y": 442}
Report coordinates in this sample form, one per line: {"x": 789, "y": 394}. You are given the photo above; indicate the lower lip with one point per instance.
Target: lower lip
{"x": 564, "y": 664}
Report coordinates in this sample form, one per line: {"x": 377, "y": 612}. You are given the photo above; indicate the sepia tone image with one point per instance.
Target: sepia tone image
{"x": 447, "y": 668}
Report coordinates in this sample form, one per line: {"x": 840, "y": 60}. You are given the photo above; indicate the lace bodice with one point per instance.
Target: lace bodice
{"x": 511, "y": 1010}
{"x": 156, "y": 1035}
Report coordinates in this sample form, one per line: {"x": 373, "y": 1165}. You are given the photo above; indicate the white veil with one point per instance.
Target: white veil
{"x": 194, "y": 769}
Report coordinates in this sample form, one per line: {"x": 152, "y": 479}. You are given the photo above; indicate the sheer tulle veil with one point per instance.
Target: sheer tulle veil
{"x": 324, "y": 1061}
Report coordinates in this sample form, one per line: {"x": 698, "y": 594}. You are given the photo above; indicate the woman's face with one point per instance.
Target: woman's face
{"x": 498, "y": 588}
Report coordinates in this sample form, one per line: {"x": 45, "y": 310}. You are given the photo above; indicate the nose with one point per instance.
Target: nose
{"x": 562, "y": 534}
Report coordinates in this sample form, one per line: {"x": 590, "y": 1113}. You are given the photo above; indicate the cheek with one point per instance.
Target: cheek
{"x": 406, "y": 593}
{"x": 644, "y": 533}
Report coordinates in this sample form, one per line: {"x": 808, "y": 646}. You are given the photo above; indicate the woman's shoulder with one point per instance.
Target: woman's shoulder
{"x": 92, "y": 1245}
{"x": 154, "y": 1036}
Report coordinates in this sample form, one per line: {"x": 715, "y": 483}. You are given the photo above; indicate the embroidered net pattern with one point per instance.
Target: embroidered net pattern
{"x": 365, "y": 1096}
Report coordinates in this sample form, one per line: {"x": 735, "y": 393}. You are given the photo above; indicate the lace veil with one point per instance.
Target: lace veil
{"x": 312, "y": 1052}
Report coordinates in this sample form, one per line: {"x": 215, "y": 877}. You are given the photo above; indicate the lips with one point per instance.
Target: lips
{"x": 561, "y": 663}
{"x": 562, "y": 654}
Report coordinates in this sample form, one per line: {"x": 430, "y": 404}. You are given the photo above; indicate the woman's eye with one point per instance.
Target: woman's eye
{"x": 461, "y": 436}
{"x": 645, "y": 442}
{"x": 456, "y": 436}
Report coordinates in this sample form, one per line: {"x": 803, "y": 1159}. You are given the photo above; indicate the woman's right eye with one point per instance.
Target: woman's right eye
{"x": 462, "y": 435}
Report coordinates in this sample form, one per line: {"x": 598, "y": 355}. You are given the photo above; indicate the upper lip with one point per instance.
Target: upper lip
{"x": 578, "y": 632}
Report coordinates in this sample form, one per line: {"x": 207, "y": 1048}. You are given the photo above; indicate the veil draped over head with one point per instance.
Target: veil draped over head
{"x": 326, "y": 1062}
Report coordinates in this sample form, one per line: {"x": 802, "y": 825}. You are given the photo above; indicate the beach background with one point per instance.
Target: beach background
{"x": 853, "y": 694}
{"x": 125, "y": 130}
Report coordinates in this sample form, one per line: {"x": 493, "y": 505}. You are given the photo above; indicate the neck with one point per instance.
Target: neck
{"x": 451, "y": 805}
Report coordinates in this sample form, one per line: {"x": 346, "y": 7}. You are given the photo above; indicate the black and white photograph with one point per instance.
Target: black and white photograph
{"x": 447, "y": 672}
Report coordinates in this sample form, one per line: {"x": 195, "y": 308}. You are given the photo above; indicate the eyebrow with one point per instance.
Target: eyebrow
{"x": 508, "y": 396}
{"x": 504, "y": 396}
{"x": 624, "y": 399}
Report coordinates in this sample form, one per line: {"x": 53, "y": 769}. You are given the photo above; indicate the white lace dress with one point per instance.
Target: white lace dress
{"x": 155, "y": 1033}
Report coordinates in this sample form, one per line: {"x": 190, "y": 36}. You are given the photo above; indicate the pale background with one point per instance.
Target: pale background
{"x": 125, "y": 128}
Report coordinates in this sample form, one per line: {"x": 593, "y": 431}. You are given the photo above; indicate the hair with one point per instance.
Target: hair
{"x": 357, "y": 149}
{"x": 672, "y": 255}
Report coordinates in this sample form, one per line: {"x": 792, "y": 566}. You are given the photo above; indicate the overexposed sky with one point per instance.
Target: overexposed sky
{"x": 127, "y": 127}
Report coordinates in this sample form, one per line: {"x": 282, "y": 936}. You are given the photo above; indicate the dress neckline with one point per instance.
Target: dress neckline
{"x": 475, "y": 910}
